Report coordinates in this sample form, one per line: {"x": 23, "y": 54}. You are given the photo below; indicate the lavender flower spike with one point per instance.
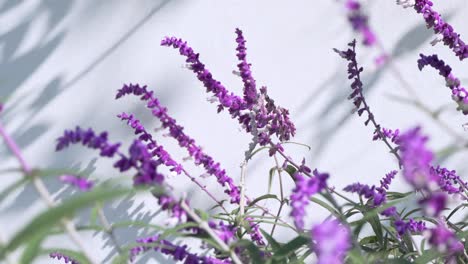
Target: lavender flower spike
{"x": 177, "y": 132}
{"x": 459, "y": 94}
{"x": 89, "y": 139}
{"x": 332, "y": 241}
{"x": 226, "y": 98}
{"x": 434, "y": 20}
{"x": 250, "y": 90}
{"x": 153, "y": 147}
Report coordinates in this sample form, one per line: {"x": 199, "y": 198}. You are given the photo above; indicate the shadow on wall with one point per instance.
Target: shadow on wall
{"x": 15, "y": 69}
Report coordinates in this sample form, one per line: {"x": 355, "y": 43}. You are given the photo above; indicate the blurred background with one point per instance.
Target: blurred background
{"x": 61, "y": 63}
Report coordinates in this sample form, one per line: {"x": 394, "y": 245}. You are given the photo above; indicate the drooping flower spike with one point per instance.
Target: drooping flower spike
{"x": 434, "y": 20}
{"x": 360, "y": 103}
{"x": 459, "y": 93}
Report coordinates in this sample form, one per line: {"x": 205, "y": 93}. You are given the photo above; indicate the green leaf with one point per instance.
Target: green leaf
{"x": 52, "y": 216}
{"x": 297, "y": 143}
{"x": 427, "y": 256}
{"x": 254, "y": 252}
{"x": 291, "y": 246}
{"x": 263, "y": 197}
{"x": 455, "y": 210}
{"x": 273, "y": 243}
{"x": 356, "y": 257}
{"x": 290, "y": 170}
{"x": 377, "y": 227}
{"x": 32, "y": 249}
{"x": 257, "y": 150}
{"x": 326, "y": 206}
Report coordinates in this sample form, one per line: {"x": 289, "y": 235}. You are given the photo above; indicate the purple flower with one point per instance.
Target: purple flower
{"x": 177, "y": 252}
{"x": 172, "y": 205}
{"x": 359, "y": 21}
{"x": 387, "y": 133}
{"x": 434, "y": 20}
{"x": 387, "y": 180}
{"x": 305, "y": 188}
{"x": 79, "y": 182}
{"x": 152, "y": 145}
{"x": 459, "y": 94}
{"x": 411, "y": 226}
{"x": 391, "y": 211}
{"x": 416, "y": 159}
{"x": 378, "y": 195}
{"x": 332, "y": 241}
{"x": 142, "y": 160}
{"x": 250, "y": 90}
{"x": 445, "y": 240}
{"x": 255, "y": 232}
{"x": 434, "y": 203}
{"x": 253, "y": 107}
{"x": 89, "y": 139}
{"x": 177, "y": 132}
{"x": 66, "y": 259}
{"x": 225, "y": 232}
{"x": 447, "y": 179}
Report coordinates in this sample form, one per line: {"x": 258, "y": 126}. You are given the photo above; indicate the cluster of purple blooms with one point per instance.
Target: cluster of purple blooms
{"x": 459, "y": 94}
{"x": 254, "y": 111}
{"x": 258, "y": 115}
{"x": 177, "y": 132}
{"x": 377, "y": 194}
{"x": 416, "y": 161}
{"x": 447, "y": 179}
{"x": 434, "y": 20}
{"x": 139, "y": 158}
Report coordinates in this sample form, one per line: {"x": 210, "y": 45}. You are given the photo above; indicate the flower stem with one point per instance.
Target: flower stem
{"x": 44, "y": 193}
{"x": 204, "y": 225}
{"x": 278, "y": 168}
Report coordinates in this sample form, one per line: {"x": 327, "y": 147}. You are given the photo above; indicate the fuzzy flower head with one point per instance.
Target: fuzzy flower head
{"x": 305, "y": 188}
{"x": 332, "y": 241}
{"x": 445, "y": 240}
{"x": 416, "y": 159}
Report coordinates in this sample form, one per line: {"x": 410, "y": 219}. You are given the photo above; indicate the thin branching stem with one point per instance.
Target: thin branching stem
{"x": 45, "y": 195}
